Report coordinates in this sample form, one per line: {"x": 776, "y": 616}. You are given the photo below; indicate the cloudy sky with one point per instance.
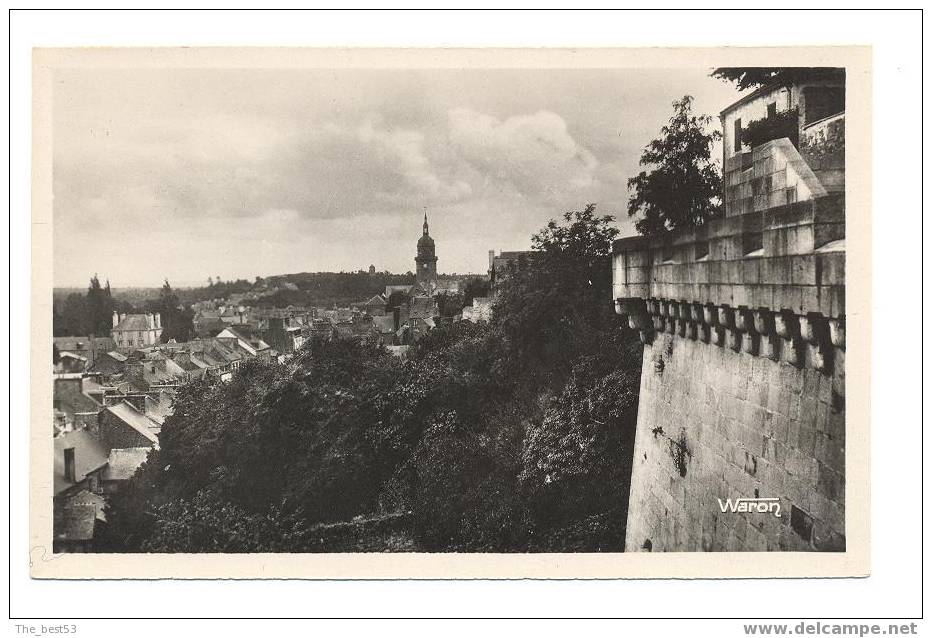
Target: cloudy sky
{"x": 187, "y": 174}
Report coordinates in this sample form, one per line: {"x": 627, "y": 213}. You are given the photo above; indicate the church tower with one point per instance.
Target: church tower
{"x": 426, "y": 259}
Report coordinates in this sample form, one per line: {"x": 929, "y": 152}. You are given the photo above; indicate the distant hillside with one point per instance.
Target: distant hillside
{"x": 299, "y": 289}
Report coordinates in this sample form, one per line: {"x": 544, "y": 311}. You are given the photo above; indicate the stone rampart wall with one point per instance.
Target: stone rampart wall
{"x": 742, "y": 382}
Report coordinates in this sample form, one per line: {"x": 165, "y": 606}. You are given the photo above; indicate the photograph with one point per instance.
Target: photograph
{"x": 405, "y": 304}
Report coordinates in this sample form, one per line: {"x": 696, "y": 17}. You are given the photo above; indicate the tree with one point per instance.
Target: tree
{"x": 558, "y": 306}
{"x": 475, "y": 287}
{"x": 748, "y": 77}
{"x": 682, "y": 187}
{"x": 99, "y": 308}
{"x": 71, "y": 319}
{"x": 177, "y": 322}
{"x": 302, "y": 435}
{"x": 449, "y": 304}
{"x": 579, "y": 451}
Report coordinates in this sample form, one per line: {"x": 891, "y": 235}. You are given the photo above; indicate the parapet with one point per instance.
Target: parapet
{"x": 768, "y": 282}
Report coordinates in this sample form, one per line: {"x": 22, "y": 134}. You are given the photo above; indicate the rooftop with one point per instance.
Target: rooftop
{"x": 135, "y": 419}
{"x": 123, "y": 462}
{"x": 74, "y": 522}
{"x": 89, "y": 455}
{"x": 134, "y": 322}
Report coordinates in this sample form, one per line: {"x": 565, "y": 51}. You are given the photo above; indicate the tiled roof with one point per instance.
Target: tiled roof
{"x": 157, "y": 410}
{"x": 89, "y": 455}
{"x": 172, "y": 368}
{"x": 90, "y": 386}
{"x": 397, "y": 288}
{"x": 85, "y": 497}
{"x": 74, "y": 522}
{"x": 422, "y": 307}
{"x": 123, "y": 462}
{"x": 223, "y": 353}
{"x": 133, "y": 322}
{"x": 160, "y": 371}
{"x": 135, "y": 419}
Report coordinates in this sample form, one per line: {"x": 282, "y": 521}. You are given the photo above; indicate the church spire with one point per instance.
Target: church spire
{"x": 425, "y": 220}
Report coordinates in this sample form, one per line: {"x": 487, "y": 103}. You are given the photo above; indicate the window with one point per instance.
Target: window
{"x": 823, "y": 101}
{"x": 738, "y": 135}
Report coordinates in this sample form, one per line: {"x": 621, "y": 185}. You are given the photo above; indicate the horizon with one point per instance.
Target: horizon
{"x": 194, "y": 285}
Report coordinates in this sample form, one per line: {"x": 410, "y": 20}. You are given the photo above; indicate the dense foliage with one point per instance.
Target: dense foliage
{"x": 752, "y": 77}
{"x": 514, "y": 435}
{"x": 773, "y": 127}
{"x": 681, "y": 187}
{"x": 85, "y": 314}
{"x": 177, "y": 320}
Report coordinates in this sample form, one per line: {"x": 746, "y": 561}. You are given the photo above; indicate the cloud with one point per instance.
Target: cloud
{"x": 318, "y": 169}
{"x": 185, "y": 172}
{"x": 533, "y": 153}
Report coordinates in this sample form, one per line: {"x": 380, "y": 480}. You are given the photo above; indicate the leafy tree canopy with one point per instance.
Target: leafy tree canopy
{"x": 177, "y": 320}
{"x": 751, "y": 77}
{"x": 681, "y": 187}
{"x": 554, "y": 307}
{"x": 99, "y": 308}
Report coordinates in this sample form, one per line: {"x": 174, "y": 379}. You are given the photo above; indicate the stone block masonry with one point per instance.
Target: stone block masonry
{"x": 742, "y": 382}
{"x": 718, "y": 424}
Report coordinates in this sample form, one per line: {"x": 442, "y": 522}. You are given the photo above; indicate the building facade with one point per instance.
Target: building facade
{"x": 136, "y": 331}
{"x": 785, "y": 143}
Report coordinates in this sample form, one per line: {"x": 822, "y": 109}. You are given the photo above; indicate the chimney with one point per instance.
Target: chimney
{"x": 69, "y": 465}
{"x": 491, "y": 258}
{"x": 116, "y": 318}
